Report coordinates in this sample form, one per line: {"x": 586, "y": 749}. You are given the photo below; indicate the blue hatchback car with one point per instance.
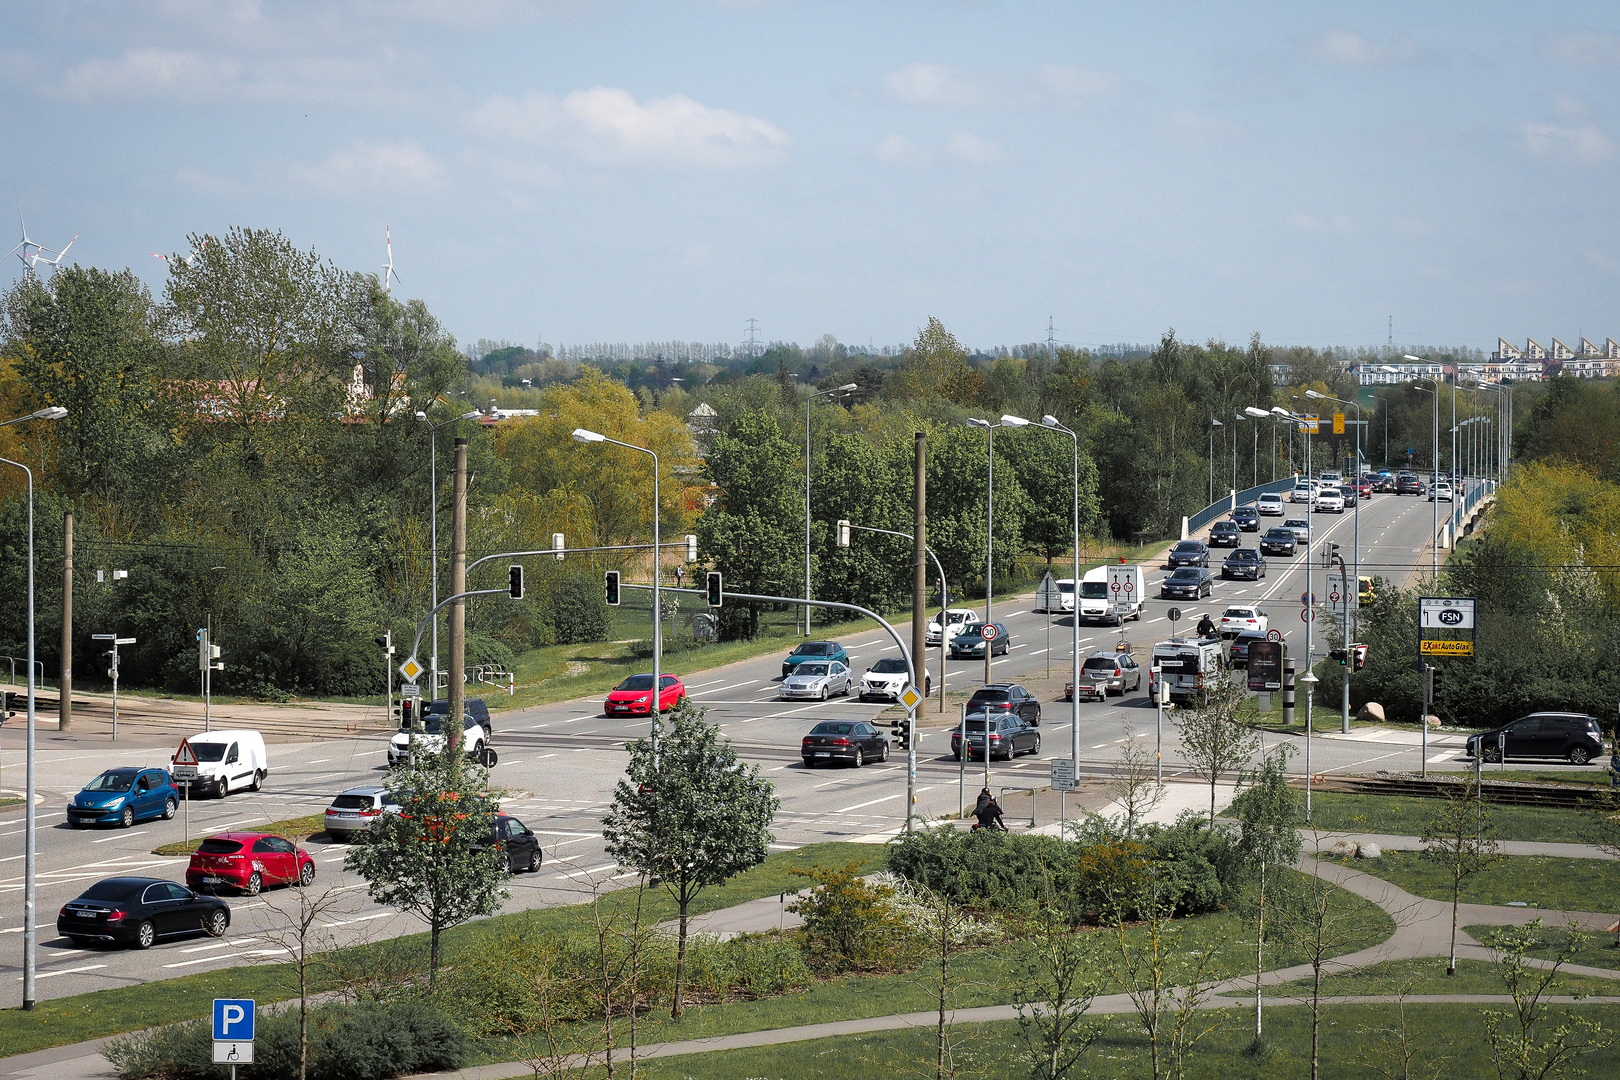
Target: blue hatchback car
{"x": 814, "y": 651}
{"x": 123, "y": 797}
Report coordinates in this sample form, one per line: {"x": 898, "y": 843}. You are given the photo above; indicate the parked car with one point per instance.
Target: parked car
{"x": 247, "y": 862}
{"x": 1007, "y": 736}
{"x": 886, "y": 680}
{"x": 809, "y": 651}
{"x": 123, "y": 797}
{"x": 228, "y": 761}
{"x": 1225, "y": 534}
{"x": 477, "y": 706}
{"x": 956, "y": 620}
{"x": 1278, "y": 541}
{"x": 426, "y": 736}
{"x": 518, "y": 846}
{"x": 138, "y": 911}
{"x": 1245, "y": 564}
{"x": 1006, "y": 698}
{"x": 1329, "y": 501}
{"x": 1408, "y": 484}
{"x": 1575, "y": 737}
{"x": 854, "y": 741}
{"x": 1440, "y": 492}
{"x": 1247, "y": 518}
{"x": 1189, "y": 553}
{"x": 634, "y": 695}
{"x": 1190, "y": 582}
{"x": 1237, "y": 653}
{"x": 1300, "y": 527}
{"x": 819, "y": 679}
{"x": 1269, "y": 505}
{"x": 1242, "y": 617}
{"x": 1106, "y": 673}
{"x": 354, "y": 809}
{"x": 970, "y": 643}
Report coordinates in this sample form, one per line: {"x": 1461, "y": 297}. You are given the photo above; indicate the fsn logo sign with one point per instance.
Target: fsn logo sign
{"x": 1450, "y": 617}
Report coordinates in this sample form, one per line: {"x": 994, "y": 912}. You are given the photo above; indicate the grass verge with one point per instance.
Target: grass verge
{"x": 1598, "y": 947}
{"x": 1540, "y": 881}
{"x": 294, "y": 829}
{"x": 1407, "y": 815}
{"x": 1427, "y": 975}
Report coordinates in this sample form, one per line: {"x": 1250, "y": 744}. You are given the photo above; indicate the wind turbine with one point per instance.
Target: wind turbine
{"x": 21, "y": 250}
{"x": 389, "y": 275}
{"x": 40, "y": 257}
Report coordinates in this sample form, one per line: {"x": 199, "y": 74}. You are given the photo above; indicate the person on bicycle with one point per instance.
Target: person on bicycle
{"x": 1206, "y": 626}
{"x": 989, "y": 815}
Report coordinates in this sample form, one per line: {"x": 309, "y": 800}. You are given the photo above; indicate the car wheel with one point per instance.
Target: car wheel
{"x": 883, "y": 754}
{"x": 258, "y": 780}
{"x": 1579, "y": 756}
{"x": 506, "y": 863}
{"x": 127, "y": 818}
{"x": 809, "y": 763}
{"x": 169, "y": 807}
{"x": 222, "y": 788}
{"x": 255, "y": 884}
{"x": 306, "y": 874}
{"x": 860, "y": 758}
{"x": 145, "y": 934}
{"x": 1037, "y": 747}
{"x": 1493, "y": 754}
{"x": 217, "y": 922}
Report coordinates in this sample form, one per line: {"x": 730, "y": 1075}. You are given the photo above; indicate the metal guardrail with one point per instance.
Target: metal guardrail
{"x": 39, "y": 680}
{"x": 1233, "y": 501}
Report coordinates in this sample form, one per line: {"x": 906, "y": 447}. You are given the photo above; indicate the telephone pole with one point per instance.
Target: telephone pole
{"x": 458, "y": 584}
{"x": 64, "y": 710}
{"x": 919, "y": 614}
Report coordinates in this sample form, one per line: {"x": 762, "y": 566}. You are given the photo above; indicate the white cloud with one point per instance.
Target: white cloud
{"x": 1586, "y": 142}
{"x": 930, "y": 84}
{"x": 1588, "y": 48}
{"x": 608, "y": 125}
{"x": 1346, "y": 48}
{"x": 972, "y": 150}
{"x": 400, "y": 167}
{"x": 151, "y": 73}
{"x": 899, "y": 150}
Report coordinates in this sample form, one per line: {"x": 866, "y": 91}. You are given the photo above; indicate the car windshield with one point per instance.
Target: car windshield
{"x": 961, "y": 617}
{"x": 816, "y": 648}
{"x": 1223, "y": 526}
{"x": 1297, "y": 523}
{"x": 1270, "y": 498}
{"x": 1188, "y": 545}
{"x": 1279, "y": 534}
{"x": 1094, "y": 590}
{"x": 990, "y": 695}
{"x": 213, "y": 846}
{"x": 1065, "y": 587}
{"x": 978, "y": 723}
{"x": 209, "y": 751}
{"x": 1101, "y": 663}
{"x": 352, "y": 802}
{"x": 832, "y": 729}
{"x": 971, "y": 631}
{"x": 1243, "y": 555}
{"x": 113, "y": 780}
{"x": 636, "y": 682}
{"x": 1186, "y": 573}
{"x": 1238, "y": 613}
{"x": 889, "y": 665}
{"x": 812, "y": 669}
{"x": 112, "y": 891}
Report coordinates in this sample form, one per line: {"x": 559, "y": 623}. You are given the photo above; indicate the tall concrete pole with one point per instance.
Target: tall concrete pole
{"x": 919, "y": 613}
{"x": 989, "y": 566}
{"x": 458, "y": 584}
{"x": 65, "y": 709}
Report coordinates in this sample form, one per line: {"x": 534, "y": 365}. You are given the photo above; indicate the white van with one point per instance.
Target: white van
{"x": 1098, "y": 606}
{"x": 228, "y": 761}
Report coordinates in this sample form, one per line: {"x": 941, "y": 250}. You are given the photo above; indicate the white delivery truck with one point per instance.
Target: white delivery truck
{"x": 1187, "y": 665}
{"x": 228, "y": 761}
{"x": 1111, "y": 594}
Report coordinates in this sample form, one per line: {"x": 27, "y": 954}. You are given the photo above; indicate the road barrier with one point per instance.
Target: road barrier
{"x": 1232, "y": 501}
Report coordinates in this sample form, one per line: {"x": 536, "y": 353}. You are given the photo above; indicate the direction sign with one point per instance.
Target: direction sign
{"x": 1063, "y": 774}
{"x": 411, "y": 669}
{"x": 990, "y": 633}
{"x": 911, "y": 696}
{"x": 1122, "y": 579}
{"x": 185, "y": 755}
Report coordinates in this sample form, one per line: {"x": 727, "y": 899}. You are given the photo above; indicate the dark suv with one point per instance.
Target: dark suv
{"x": 1575, "y": 737}
{"x": 1407, "y": 484}
{"x": 1006, "y": 698}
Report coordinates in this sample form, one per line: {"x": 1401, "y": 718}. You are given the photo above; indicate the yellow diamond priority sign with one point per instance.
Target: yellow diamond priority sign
{"x": 411, "y": 669}
{"x": 910, "y": 697}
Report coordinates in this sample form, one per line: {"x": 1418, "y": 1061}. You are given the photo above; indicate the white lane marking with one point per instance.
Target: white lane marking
{"x": 701, "y": 685}
{"x": 318, "y": 761}
{"x": 65, "y": 971}
{"x": 225, "y": 956}
{"x": 582, "y": 873}
{"x": 559, "y": 832}
{"x": 577, "y": 719}
{"x": 543, "y": 757}
{"x": 114, "y": 836}
{"x": 886, "y": 798}
{"x": 362, "y": 918}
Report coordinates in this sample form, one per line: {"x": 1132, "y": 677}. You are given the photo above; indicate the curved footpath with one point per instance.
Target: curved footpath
{"x": 1422, "y": 928}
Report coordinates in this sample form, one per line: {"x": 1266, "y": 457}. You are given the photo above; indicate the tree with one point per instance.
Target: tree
{"x": 1045, "y": 467}
{"x": 1270, "y": 812}
{"x": 422, "y": 859}
{"x": 1461, "y": 838}
{"x": 1214, "y": 739}
{"x": 1056, "y": 984}
{"x": 688, "y": 814}
{"x": 297, "y": 931}
{"x": 1605, "y": 826}
{"x": 1521, "y": 1048}
{"x": 936, "y": 366}
{"x": 1134, "y": 784}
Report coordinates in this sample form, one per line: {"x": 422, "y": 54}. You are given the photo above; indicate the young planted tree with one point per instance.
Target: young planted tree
{"x": 295, "y": 929}
{"x": 688, "y": 815}
{"x": 1605, "y": 830}
{"x": 1521, "y": 1045}
{"x": 1462, "y": 839}
{"x": 1135, "y": 785}
{"x": 422, "y": 859}
{"x": 1268, "y": 840}
{"x": 1214, "y": 740}
{"x": 1056, "y": 984}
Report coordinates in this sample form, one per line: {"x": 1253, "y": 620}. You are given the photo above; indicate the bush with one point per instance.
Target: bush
{"x": 849, "y": 924}
{"x": 983, "y": 871}
{"x": 577, "y": 612}
{"x": 746, "y": 966}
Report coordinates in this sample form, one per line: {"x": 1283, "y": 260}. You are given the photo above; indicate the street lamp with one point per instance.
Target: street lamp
{"x": 433, "y": 526}
{"x": 1309, "y": 606}
{"x": 1434, "y": 503}
{"x": 1310, "y": 680}
{"x": 1213, "y": 424}
{"x": 1050, "y": 423}
{"x": 846, "y": 388}
{"x": 1355, "y": 544}
{"x": 1257, "y": 415}
{"x": 586, "y": 436}
{"x": 30, "y": 933}
{"x": 990, "y": 525}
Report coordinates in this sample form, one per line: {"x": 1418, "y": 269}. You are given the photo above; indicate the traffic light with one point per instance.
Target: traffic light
{"x": 714, "y": 589}
{"x": 386, "y": 642}
{"x": 1434, "y": 691}
{"x": 610, "y": 586}
{"x": 691, "y": 547}
{"x": 843, "y": 533}
{"x": 6, "y": 711}
{"x": 514, "y": 581}
{"x": 1360, "y": 652}
{"x": 900, "y": 732}
{"x": 1337, "y": 654}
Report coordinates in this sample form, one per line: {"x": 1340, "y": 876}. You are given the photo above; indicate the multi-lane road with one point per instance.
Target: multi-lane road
{"x": 559, "y": 764}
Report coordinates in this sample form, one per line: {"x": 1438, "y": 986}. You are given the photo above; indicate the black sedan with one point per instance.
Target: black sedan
{"x": 519, "y": 847}
{"x": 854, "y": 741}
{"x": 1006, "y": 698}
{"x": 1189, "y": 553}
{"x": 1244, "y": 564}
{"x": 137, "y": 911}
{"x": 1247, "y": 518}
{"x": 1188, "y": 583}
{"x": 1225, "y": 534}
{"x": 1278, "y": 541}
{"x": 1008, "y": 737}
{"x": 1574, "y": 737}
{"x": 1237, "y": 654}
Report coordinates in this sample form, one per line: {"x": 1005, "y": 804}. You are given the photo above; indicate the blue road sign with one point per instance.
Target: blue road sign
{"x": 233, "y": 1019}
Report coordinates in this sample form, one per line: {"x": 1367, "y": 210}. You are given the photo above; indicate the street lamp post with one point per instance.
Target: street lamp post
{"x": 586, "y": 436}
{"x": 1434, "y": 503}
{"x": 1355, "y": 547}
{"x": 1050, "y": 423}
{"x": 1213, "y": 424}
{"x": 990, "y": 529}
{"x": 846, "y": 388}
{"x": 433, "y": 523}
{"x": 1309, "y": 607}
{"x": 30, "y": 824}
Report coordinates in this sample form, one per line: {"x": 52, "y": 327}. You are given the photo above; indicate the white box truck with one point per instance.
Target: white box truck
{"x": 1187, "y": 665}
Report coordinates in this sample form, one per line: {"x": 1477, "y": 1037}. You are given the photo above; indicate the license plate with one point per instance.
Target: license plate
{"x": 85, "y": 914}
{"x": 211, "y": 881}
{"x": 823, "y": 753}
{"x": 345, "y": 817}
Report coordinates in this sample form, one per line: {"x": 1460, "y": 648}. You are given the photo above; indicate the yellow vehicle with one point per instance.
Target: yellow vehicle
{"x": 1365, "y": 586}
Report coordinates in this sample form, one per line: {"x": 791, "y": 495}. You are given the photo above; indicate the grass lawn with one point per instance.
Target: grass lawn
{"x": 294, "y": 829}
{"x": 1427, "y": 975}
{"x": 1592, "y": 775}
{"x": 1539, "y": 880}
{"x": 107, "y": 1012}
{"x": 1597, "y": 946}
{"x": 1406, "y": 815}
{"x": 1359, "y": 1042}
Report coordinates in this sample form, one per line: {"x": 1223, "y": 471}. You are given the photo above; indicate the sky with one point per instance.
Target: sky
{"x": 576, "y": 171}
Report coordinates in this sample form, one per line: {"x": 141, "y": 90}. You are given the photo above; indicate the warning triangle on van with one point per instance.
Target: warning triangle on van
{"x": 185, "y": 755}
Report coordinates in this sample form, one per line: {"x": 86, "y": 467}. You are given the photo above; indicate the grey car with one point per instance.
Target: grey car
{"x": 817, "y": 680}
{"x": 1112, "y": 673}
{"x": 355, "y": 809}
{"x": 1300, "y": 527}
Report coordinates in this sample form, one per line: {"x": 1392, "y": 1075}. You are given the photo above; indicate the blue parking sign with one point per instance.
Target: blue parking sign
{"x": 233, "y": 1019}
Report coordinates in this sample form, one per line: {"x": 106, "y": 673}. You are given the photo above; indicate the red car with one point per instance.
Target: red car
{"x": 634, "y": 695}
{"x": 247, "y": 862}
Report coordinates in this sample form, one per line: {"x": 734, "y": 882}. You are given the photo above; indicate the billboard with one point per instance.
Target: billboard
{"x": 1265, "y": 665}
